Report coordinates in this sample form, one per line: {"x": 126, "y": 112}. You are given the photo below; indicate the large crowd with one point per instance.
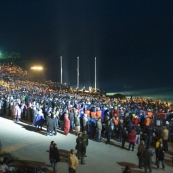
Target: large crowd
{"x": 128, "y": 119}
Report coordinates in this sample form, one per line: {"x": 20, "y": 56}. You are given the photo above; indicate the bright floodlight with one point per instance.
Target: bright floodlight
{"x": 36, "y": 68}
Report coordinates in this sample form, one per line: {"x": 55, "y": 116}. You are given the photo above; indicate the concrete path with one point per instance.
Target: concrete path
{"x": 26, "y": 143}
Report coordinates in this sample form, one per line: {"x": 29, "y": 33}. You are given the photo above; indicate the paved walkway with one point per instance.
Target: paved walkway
{"x": 26, "y": 143}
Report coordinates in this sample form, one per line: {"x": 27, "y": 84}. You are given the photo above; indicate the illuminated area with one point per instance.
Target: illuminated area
{"x": 36, "y": 68}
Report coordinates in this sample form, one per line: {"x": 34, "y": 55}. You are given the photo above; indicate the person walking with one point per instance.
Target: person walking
{"x": 55, "y": 157}
{"x": 73, "y": 161}
{"x": 160, "y": 156}
{"x": 147, "y": 157}
{"x": 99, "y": 129}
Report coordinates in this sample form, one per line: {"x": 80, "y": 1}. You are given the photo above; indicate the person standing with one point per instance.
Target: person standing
{"x": 108, "y": 131}
{"x": 55, "y": 157}
{"x": 85, "y": 141}
{"x": 17, "y": 113}
{"x": 160, "y": 156}
{"x": 120, "y": 129}
{"x": 99, "y": 129}
{"x": 132, "y": 138}
{"x": 164, "y": 136}
{"x": 80, "y": 148}
{"x": 138, "y": 134}
{"x": 73, "y": 161}
{"x": 50, "y": 121}
{"x": 147, "y": 157}
{"x": 141, "y": 149}
{"x": 124, "y": 136}
{"x": 66, "y": 124}
{"x": 77, "y": 123}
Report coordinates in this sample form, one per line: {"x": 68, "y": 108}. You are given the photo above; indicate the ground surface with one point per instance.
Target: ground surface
{"x": 30, "y": 146}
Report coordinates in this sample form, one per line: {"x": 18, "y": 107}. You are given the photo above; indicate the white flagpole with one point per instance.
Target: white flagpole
{"x": 61, "y": 67}
{"x": 77, "y": 72}
{"x": 95, "y": 74}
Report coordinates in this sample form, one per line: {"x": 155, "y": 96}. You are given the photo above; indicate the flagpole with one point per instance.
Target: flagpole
{"x": 61, "y": 67}
{"x": 95, "y": 74}
{"x": 77, "y": 72}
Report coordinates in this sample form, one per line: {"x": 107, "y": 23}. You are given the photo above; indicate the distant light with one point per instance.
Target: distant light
{"x": 36, "y": 68}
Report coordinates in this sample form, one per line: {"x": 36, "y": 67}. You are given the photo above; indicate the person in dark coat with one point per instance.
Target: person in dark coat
{"x": 129, "y": 126}
{"x": 55, "y": 124}
{"x": 80, "y": 148}
{"x": 141, "y": 149}
{"x": 108, "y": 131}
{"x": 50, "y": 122}
{"x": 85, "y": 141}
{"x": 120, "y": 129}
{"x": 147, "y": 158}
{"x": 160, "y": 156}
{"x": 55, "y": 157}
{"x": 124, "y": 136}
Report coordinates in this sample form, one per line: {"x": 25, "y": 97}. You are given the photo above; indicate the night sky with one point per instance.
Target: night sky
{"x": 132, "y": 40}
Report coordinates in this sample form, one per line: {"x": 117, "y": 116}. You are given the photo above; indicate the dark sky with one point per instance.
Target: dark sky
{"x": 132, "y": 40}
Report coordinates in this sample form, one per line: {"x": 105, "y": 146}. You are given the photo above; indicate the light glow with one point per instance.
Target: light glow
{"x": 36, "y": 68}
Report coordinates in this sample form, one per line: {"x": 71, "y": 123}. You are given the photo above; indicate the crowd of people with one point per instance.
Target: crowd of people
{"x": 128, "y": 119}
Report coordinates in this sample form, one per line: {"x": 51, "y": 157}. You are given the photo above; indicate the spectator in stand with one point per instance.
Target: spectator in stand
{"x": 141, "y": 116}
{"x": 147, "y": 121}
{"x": 135, "y": 119}
{"x": 130, "y": 126}
{"x": 132, "y": 139}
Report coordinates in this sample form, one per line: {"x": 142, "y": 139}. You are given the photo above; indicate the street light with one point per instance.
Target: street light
{"x": 39, "y": 68}
{"x": 37, "y": 74}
